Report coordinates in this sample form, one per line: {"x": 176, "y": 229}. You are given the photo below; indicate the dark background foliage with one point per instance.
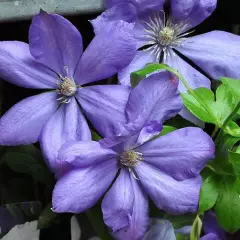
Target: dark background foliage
{"x": 19, "y": 187}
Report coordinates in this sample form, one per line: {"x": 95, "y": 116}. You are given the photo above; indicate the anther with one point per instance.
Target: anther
{"x": 130, "y": 158}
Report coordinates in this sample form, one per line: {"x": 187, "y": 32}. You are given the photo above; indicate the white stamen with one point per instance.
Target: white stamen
{"x": 162, "y": 34}
{"x": 66, "y": 87}
{"x": 130, "y": 158}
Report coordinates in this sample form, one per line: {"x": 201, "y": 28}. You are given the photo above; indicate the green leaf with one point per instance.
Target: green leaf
{"x": 233, "y": 84}
{"x": 180, "y": 236}
{"x": 165, "y": 130}
{"x": 137, "y": 76}
{"x": 196, "y": 107}
{"x": 196, "y": 229}
{"x": 96, "y": 219}
{"x": 209, "y": 193}
{"x": 95, "y": 137}
{"x": 228, "y": 204}
{"x": 235, "y": 160}
{"x": 47, "y": 217}
{"x": 206, "y": 108}
{"x": 222, "y": 163}
{"x": 232, "y": 129}
{"x": 180, "y": 221}
{"x": 28, "y": 160}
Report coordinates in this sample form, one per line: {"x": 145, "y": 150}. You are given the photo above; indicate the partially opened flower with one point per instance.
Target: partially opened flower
{"x": 163, "y": 37}
{"x": 54, "y": 60}
{"x": 166, "y": 168}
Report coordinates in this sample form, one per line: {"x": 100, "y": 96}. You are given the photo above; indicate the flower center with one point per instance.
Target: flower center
{"x": 162, "y": 34}
{"x": 166, "y": 36}
{"x": 130, "y": 158}
{"x": 67, "y": 87}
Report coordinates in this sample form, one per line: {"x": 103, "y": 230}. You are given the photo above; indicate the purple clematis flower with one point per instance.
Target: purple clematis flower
{"x": 211, "y": 228}
{"x": 217, "y": 52}
{"x": 166, "y": 168}
{"x": 54, "y": 60}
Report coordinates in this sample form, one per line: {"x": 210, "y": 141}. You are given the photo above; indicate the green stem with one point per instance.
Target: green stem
{"x": 190, "y": 90}
{"x": 231, "y": 116}
{"x": 214, "y": 133}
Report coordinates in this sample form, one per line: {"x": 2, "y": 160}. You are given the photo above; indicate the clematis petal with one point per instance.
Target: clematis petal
{"x": 117, "y": 205}
{"x": 104, "y": 106}
{"x": 210, "y": 225}
{"x": 215, "y": 52}
{"x": 139, "y": 219}
{"x": 23, "y": 123}
{"x": 68, "y": 123}
{"x": 174, "y": 197}
{"x": 141, "y": 59}
{"x": 192, "y": 11}
{"x": 160, "y": 230}
{"x": 18, "y": 67}
{"x": 79, "y": 154}
{"x": 210, "y": 236}
{"x": 121, "y": 11}
{"x": 182, "y": 153}
{"x": 194, "y": 78}
{"x": 55, "y": 42}
{"x": 154, "y": 98}
{"x": 104, "y": 56}
{"x": 80, "y": 189}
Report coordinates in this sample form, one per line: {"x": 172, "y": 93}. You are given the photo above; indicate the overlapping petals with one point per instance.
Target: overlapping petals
{"x": 193, "y": 11}
{"x": 80, "y": 189}
{"x": 154, "y": 98}
{"x": 104, "y": 56}
{"x": 66, "y": 124}
{"x": 104, "y": 106}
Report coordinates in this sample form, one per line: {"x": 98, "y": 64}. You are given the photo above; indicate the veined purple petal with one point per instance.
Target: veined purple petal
{"x": 182, "y": 153}
{"x": 192, "y": 11}
{"x": 211, "y": 226}
{"x": 139, "y": 220}
{"x": 68, "y": 123}
{"x": 80, "y": 189}
{"x": 117, "y": 205}
{"x": 154, "y": 98}
{"x": 160, "y": 230}
{"x": 18, "y": 67}
{"x": 55, "y": 42}
{"x": 121, "y": 11}
{"x": 23, "y": 123}
{"x": 194, "y": 78}
{"x": 215, "y": 52}
{"x": 141, "y": 59}
{"x": 79, "y": 154}
{"x": 174, "y": 197}
{"x": 210, "y": 236}
{"x": 104, "y": 56}
{"x": 104, "y": 106}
